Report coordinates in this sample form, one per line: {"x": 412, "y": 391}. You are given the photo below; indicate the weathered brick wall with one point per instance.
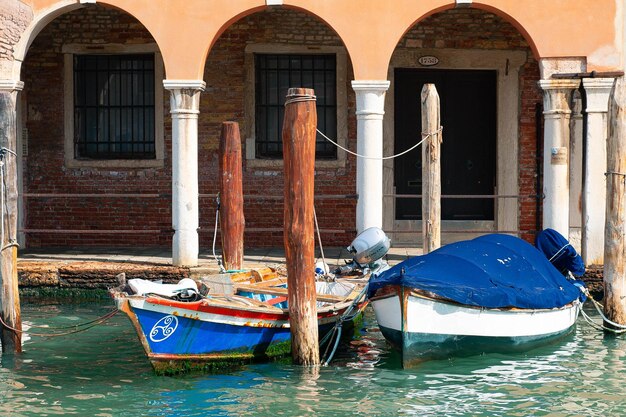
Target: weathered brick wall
{"x": 14, "y": 18}
{"x": 45, "y": 172}
{"x": 475, "y": 29}
{"x": 224, "y": 100}
{"x": 225, "y": 78}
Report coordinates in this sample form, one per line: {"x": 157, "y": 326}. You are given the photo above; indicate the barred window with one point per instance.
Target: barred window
{"x": 275, "y": 74}
{"x": 114, "y": 107}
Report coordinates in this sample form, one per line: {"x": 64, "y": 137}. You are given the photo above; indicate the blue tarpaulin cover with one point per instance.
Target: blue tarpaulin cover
{"x": 560, "y": 252}
{"x": 491, "y": 271}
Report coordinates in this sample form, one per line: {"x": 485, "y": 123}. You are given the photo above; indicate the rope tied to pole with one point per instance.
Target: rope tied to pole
{"x": 383, "y": 158}
{"x": 297, "y": 98}
{"x": 619, "y": 328}
{"x": 217, "y": 216}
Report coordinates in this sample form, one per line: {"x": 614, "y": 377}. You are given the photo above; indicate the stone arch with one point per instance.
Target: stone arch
{"x": 45, "y": 16}
{"x": 243, "y": 14}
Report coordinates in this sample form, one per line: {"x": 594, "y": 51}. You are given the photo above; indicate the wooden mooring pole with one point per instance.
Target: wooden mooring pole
{"x": 431, "y": 169}
{"x": 231, "y": 191}
{"x": 10, "y": 299}
{"x": 614, "y": 230}
{"x": 299, "y": 160}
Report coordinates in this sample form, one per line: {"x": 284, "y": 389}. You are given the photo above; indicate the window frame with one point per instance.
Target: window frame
{"x": 69, "y": 51}
{"x": 250, "y": 100}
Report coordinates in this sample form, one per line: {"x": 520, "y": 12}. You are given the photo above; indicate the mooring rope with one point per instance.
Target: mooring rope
{"x": 93, "y": 323}
{"x": 383, "y": 158}
{"x": 217, "y": 216}
{"x": 337, "y": 329}
{"x": 620, "y": 327}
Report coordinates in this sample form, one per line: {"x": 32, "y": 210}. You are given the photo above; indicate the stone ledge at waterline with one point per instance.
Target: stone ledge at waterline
{"x": 92, "y": 274}
{"x": 44, "y": 276}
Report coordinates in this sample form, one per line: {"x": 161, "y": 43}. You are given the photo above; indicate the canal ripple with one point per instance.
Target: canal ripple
{"x": 104, "y": 372}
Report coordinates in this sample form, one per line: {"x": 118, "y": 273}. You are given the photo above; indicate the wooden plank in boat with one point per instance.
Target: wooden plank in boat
{"x": 326, "y": 298}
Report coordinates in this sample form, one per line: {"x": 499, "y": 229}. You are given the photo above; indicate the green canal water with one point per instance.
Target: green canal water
{"x": 103, "y": 372}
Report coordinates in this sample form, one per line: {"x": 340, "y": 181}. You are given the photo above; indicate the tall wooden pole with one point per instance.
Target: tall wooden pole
{"x": 299, "y": 159}
{"x": 231, "y": 191}
{"x": 431, "y": 169}
{"x": 11, "y": 340}
{"x": 614, "y": 239}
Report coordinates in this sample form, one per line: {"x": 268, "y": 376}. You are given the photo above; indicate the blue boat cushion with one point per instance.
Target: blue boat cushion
{"x": 560, "y": 252}
{"x": 491, "y": 271}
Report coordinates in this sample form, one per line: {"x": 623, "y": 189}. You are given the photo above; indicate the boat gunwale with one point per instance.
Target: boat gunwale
{"x": 419, "y": 294}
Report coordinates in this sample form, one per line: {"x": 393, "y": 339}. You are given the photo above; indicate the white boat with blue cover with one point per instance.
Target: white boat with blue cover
{"x": 492, "y": 293}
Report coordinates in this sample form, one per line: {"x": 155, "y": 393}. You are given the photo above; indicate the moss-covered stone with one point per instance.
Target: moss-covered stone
{"x": 33, "y": 293}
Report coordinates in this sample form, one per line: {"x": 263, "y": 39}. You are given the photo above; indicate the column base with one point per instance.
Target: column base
{"x": 185, "y": 248}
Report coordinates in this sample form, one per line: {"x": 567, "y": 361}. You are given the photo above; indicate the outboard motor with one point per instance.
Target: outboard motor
{"x": 367, "y": 250}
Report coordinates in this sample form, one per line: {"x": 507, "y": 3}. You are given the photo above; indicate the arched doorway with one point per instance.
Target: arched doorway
{"x": 486, "y": 76}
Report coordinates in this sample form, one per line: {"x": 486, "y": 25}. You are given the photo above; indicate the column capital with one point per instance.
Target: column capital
{"x": 548, "y": 85}
{"x": 11, "y": 85}
{"x": 371, "y": 85}
{"x": 597, "y": 91}
{"x": 184, "y": 85}
{"x": 185, "y": 97}
{"x": 370, "y": 98}
{"x": 556, "y": 96}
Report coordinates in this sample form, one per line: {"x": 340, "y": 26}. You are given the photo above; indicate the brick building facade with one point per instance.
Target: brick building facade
{"x": 68, "y": 199}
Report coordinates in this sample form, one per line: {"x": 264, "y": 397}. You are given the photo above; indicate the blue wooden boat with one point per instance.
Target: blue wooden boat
{"x": 181, "y": 330}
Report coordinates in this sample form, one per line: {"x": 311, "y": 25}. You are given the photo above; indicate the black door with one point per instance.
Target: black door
{"x": 468, "y": 162}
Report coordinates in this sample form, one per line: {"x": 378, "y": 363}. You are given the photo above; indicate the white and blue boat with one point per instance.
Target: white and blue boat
{"x": 495, "y": 293}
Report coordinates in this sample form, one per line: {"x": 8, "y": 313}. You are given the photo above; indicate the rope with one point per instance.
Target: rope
{"x": 383, "y": 158}
{"x": 95, "y": 322}
{"x": 217, "y": 216}
{"x": 620, "y": 327}
{"x": 559, "y": 252}
{"x": 297, "y": 98}
{"x": 319, "y": 239}
{"x": 337, "y": 329}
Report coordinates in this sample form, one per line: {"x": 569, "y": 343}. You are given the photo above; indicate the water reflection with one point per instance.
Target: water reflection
{"x": 104, "y": 372}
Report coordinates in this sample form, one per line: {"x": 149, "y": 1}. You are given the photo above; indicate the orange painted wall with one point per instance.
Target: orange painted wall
{"x": 370, "y": 29}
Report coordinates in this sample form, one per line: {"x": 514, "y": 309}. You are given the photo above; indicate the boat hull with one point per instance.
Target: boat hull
{"x": 423, "y": 328}
{"x": 179, "y": 336}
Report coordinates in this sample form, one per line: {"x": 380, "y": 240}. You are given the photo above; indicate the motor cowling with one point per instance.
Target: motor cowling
{"x": 369, "y": 246}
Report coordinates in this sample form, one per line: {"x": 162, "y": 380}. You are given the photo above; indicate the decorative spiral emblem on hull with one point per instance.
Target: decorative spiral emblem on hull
{"x": 163, "y": 328}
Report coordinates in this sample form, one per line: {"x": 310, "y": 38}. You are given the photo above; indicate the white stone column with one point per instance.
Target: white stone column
{"x": 597, "y": 91}
{"x": 370, "y": 108}
{"x": 556, "y": 110}
{"x": 184, "y": 107}
{"x": 576, "y": 171}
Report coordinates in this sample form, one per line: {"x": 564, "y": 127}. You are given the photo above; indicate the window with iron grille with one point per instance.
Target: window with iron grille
{"x": 114, "y": 108}
{"x": 274, "y": 75}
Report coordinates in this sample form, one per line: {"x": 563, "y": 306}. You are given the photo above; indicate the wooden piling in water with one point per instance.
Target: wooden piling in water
{"x": 614, "y": 239}
{"x": 431, "y": 169}
{"x": 299, "y": 134}
{"x": 9, "y": 299}
{"x": 231, "y": 192}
